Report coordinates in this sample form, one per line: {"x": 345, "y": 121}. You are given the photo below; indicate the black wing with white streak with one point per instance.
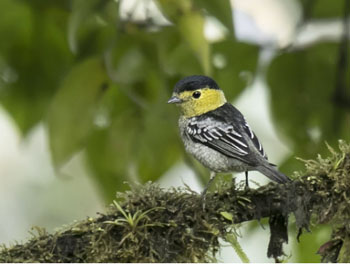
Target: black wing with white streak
{"x": 254, "y": 139}
{"x": 219, "y": 136}
{"x": 223, "y": 130}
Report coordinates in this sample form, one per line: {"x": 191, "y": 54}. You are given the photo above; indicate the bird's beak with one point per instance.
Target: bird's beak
{"x": 175, "y": 100}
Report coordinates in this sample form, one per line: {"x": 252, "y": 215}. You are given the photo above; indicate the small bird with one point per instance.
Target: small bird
{"x": 216, "y": 133}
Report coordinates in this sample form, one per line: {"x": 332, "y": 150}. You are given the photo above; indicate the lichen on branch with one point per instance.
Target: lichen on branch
{"x": 152, "y": 224}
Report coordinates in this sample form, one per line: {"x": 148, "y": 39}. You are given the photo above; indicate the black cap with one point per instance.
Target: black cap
{"x": 195, "y": 82}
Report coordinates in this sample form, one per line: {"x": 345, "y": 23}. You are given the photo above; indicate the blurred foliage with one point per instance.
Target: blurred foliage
{"x": 99, "y": 79}
{"x": 306, "y": 249}
{"x": 90, "y": 79}
{"x": 33, "y": 58}
{"x": 322, "y": 8}
{"x": 302, "y": 99}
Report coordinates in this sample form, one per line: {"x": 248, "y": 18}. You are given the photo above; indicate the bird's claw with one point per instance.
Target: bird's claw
{"x": 204, "y": 197}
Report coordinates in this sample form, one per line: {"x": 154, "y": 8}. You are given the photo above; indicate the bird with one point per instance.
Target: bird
{"x": 216, "y": 133}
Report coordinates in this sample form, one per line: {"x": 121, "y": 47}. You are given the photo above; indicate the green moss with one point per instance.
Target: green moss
{"x": 328, "y": 180}
{"x": 151, "y": 224}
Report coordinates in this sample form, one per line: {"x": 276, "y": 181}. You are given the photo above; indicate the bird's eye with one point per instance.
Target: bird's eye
{"x": 196, "y": 94}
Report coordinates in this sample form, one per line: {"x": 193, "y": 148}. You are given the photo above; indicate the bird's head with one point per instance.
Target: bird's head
{"x": 196, "y": 95}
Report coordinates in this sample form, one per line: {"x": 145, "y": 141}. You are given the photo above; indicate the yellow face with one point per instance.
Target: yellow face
{"x": 200, "y": 101}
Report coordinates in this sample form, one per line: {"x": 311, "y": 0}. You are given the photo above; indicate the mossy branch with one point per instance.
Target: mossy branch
{"x": 151, "y": 224}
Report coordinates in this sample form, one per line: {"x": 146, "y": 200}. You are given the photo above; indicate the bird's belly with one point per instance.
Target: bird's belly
{"x": 212, "y": 159}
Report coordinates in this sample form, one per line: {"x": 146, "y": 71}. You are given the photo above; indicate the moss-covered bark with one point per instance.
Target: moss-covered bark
{"x": 155, "y": 225}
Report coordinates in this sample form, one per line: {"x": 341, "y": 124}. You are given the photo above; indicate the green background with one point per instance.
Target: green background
{"x": 99, "y": 83}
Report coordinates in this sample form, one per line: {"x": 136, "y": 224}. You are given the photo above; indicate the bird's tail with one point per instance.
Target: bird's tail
{"x": 271, "y": 172}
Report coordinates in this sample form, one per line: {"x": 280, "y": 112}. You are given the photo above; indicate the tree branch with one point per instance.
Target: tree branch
{"x": 341, "y": 98}
{"x": 156, "y": 225}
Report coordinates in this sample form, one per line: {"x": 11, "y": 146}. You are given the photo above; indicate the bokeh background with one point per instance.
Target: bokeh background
{"x": 84, "y": 86}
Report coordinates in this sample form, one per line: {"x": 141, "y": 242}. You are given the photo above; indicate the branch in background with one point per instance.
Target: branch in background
{"x": 157, "y": 225}
{"x": 340, "y": 96}
{"x": 307, "y": 11}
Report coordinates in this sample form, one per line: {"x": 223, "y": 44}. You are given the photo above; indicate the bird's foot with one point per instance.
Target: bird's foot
{"x": 204, "y": 197}
{"x": 246, "y": 188}
{"x": 204, "y": 193}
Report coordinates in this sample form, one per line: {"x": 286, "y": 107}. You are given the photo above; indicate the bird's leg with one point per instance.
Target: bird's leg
{"x": 204, "y": 192}
{"x": 212, "y": 176}
{"x": 246, "y": 180}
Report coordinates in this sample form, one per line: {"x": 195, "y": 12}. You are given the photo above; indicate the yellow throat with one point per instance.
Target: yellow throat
{"x": 209, "y": 100}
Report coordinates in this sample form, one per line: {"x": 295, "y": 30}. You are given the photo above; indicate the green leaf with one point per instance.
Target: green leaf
{"x": 82, "y": 10}
{"x": 38, "y": 4}
{"x": 70, "y": 117}
{"x": 131, "y": 55}
{"x": 16, "y": 23}
{"x": 219, "y": 9}
{"x": 176, "y": 57}
{"x": 323, "y": 8}
{"x": 33, "y": 58}
{"x": 232, "y": 239}
{"x": 189, "y": 21}
{"x": 172, "y": 8}
{"x": 234, "y": 66}
{"x": 191, "y": 27}
{"x": 227, "y": 216}
{"x": 91, "y": 25}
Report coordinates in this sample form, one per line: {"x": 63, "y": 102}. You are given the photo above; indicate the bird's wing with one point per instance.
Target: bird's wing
{"x": 254, "y": 139}
{"x": 221, "y": 136}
